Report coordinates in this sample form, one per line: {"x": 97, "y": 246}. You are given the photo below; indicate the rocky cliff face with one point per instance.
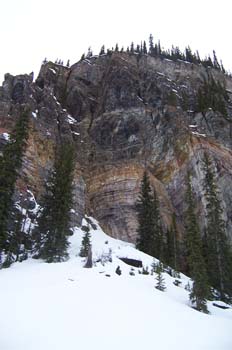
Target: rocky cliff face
{"x": 124, "y": 113}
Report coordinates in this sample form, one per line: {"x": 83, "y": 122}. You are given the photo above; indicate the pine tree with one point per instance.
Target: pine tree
{"x": 85, "y": 244}
{"x": 151, "y": 44}
{"x": 102, "y": 51}
{"x": 217, "y": 251}
{"x": 144, "y": 212}
{"x": 150, "y": 235}
{"x": 144, "y": 48}
{"x": 160, "y": 285}
{"x": 10, "y": 164}
{"x": 132, "y": 48}
{"x": 200, "y": 289}
{"x": 53, "y": 223}
{"x": 172, "y": 247}
{"x": 157, "y": 244}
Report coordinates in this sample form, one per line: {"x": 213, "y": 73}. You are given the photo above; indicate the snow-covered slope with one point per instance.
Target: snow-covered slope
{"x": 64, "y": 306}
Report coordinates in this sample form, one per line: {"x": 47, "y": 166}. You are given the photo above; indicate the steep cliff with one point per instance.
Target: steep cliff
{"x": 124, "y": 113}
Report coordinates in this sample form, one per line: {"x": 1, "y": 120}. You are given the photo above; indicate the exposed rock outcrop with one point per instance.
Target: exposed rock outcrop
{"x": 124, "y": 113}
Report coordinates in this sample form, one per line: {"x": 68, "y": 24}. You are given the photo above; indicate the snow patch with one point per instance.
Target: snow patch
{"x": 52, "y": 70}
{"x": 6, "y": 136}
{"x": 98, "y": 309}
{"x": 198, "y": 134}
{"x": 71, "y": 120}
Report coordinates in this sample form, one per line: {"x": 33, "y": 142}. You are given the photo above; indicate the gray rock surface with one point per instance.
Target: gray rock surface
{"x": 124, "y": 113}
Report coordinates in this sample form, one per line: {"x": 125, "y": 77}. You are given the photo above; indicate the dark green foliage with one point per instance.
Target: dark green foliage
{"x": 150, "y": 235}
{"x": 10, "y": 164}
{"x": 18, "y": 242}
{"x": 217, "y": 251}
{"x": 200, "y": 290}
{"x": 85, "y": 244}
{"x": 172, "y": 99}
{"x": 173, "y": 54}
{"x": 172, "y": 249}
{"x": 212, "y": 94}
{"x": 53, "y": 223}
{"x": 145, "y": 271}
{"x": 144, "y": 211}
{"x": 177, "y": 283}
{"x": 160, "y": 280}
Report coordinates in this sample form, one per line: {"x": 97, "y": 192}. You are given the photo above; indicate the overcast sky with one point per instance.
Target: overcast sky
{"x": 34, "y": 29}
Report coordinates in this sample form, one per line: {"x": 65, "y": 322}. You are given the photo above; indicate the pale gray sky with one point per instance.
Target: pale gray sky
{"x": 34, "y": 29}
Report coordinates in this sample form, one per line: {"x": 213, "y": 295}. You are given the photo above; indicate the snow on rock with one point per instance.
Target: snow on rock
{"x": 53, "y": 70}
{"x": 65, "y": 306}
{"x": 71, "y": 120}
{"x": 198, "y": 134}
{"x": 6, "y": 136}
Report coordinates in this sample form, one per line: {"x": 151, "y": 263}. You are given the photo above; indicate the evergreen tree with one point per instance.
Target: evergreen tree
{"x": 172, "y": 246}
{"x": 150, "y": 233}
{"x": 132, "y": 48}
{"x": 53, "y": 223}
{"x": 144, "y": 48}
{"x": 217, "y": 250}
{"x": 144, "y": 213}
{"x": 200, "y": 289}
{"x": 102, "y": 51}
{"x": 85, "y": 244}
{"x": 10, "y": 164}
{"x": 90, "y": 53}
{"x": 212, "y": 94}
{"x": 160, "y": 280}
{"x": 157, "y": 244}
{"x": 82, "y": 57}
{"x": 151, "y": 44}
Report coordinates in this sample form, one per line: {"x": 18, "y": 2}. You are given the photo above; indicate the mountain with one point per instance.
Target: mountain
{"x": 124, "y": 112}
{"x": 65, "y": 306}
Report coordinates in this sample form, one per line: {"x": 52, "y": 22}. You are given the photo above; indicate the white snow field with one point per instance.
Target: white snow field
{"x": 64, "y": 306}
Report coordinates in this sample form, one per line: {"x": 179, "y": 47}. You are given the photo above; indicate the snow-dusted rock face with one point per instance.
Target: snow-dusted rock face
{"x": 123, "y": 113}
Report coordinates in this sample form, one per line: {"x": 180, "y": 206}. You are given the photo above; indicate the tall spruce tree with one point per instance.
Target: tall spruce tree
{"x": 144, "y": 213}
{"x": 200, "y": 289}
{"x": 217, "y": 251}
{"x": 10, "y": 164}
{"x": 85, "y": 244}
{"x": 53, "y": 223}
{"x": 157, "y": 244}
{"x": 160, "y": 279}
{"x": 172, "y": 250}
{"x": 149, "y": 224}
